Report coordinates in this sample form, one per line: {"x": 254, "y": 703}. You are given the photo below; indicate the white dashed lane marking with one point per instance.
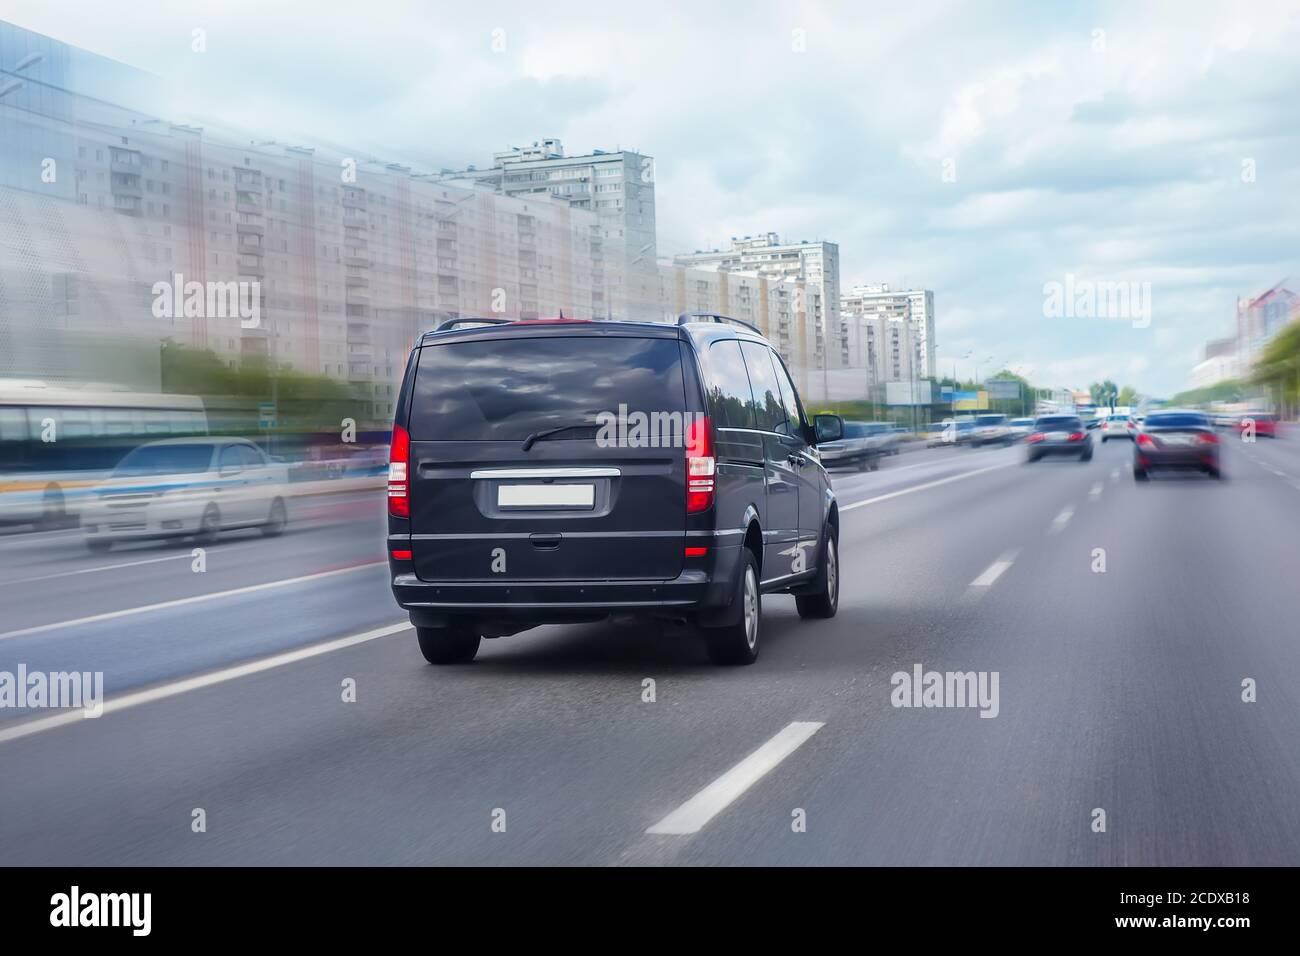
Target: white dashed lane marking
{"x": 995, "y": 570}
{"x": 692, "y": 815}
{"x": 1061, "y": 520}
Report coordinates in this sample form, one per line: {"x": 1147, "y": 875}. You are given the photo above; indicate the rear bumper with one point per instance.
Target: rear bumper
{"x": 1038, "y": 449}
{"x": 706, "y": 588}
{"x": 1178, "y": 460}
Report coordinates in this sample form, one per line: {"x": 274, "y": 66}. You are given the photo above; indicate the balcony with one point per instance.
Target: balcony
{"x": 357, "y": 261}
{"x": 354, "y": 201}
{"x": 356, "y": 282}
{"x": 250, "y": 229}
{"x": 248, "y": 208}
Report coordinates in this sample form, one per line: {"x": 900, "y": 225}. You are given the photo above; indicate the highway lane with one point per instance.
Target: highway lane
{"x": 1117, "y": 690}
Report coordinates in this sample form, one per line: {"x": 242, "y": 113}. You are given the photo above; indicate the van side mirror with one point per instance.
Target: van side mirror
{"x": 827, "y": 428}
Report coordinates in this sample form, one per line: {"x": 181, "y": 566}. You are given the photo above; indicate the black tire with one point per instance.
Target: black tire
{"x": 824, "y": 601}
{"x": 1103, "y": 439}
{"x": 98, "y": 545}
{"x": 54, "y": 512}
{"x": 1140, "y": 474}
{"x": 737, "y": 643}
{"x": 862, "y": 464}
{"x": 1030, "y": 459}
{"x": 456, "y": 644}
{"x": 275, "y": 520}
{"x": 209, "y": 526}
{"x": 1216, "y": 474}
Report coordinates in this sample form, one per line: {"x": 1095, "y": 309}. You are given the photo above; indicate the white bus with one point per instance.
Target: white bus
{"x": 56, "y": 442}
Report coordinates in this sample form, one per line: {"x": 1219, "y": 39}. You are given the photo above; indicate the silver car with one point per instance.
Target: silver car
{"x": 187, "y": 487}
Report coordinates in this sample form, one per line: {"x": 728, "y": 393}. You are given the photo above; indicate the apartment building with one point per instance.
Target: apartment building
{"x": 617, "y": 186}
{"x": 862, "y": 308}
{"x": 816, "y": 264}
{"x": 347, "y": 259}
{"x": 788, "y": 311}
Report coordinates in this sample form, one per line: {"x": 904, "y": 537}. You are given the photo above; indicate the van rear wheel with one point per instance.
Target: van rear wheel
{"x": 824, "y": 601}
{"x": 456, "y": 644}
{"x": 737, "y": 642}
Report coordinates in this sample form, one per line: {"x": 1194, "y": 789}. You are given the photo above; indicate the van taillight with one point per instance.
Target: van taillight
{"x": 700, "y": 465}
{"x": 399, "y": 483}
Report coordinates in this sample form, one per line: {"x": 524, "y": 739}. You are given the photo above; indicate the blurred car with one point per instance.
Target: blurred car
{"x": 1266, "y": 424}
{"x": 1020, "y": 428}
{"x": 187, "y": 486}
{"x": 1224, "y": 420}
{"x": 863, "y": 445}
{"x": 935, "y": 433}
{"x": 990, "y": 430}
{"x": 1059, "y": 435}
{"x": 1174, "y": 439}
{"x": 1117, "y": 426}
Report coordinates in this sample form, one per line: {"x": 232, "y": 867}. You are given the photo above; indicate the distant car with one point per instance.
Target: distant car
{"x": 939, "y": 433}
{"x": 1020, "y": 428}
{"x": 1225, "y": 420}
{"x": 1266, "y": 424}
{"x": 1117, "y": 426}
{"x": 1059, "y": 435}
{"x": 1172, "y": 439}
{"x": 184, "y": 487}
{"x": 990, "y": 430}
{"x": 863, "y": 445}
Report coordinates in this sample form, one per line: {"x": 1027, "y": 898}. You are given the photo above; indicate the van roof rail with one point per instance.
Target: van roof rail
{"x": 688, "y": 317}
{"x": 470, "y": 320}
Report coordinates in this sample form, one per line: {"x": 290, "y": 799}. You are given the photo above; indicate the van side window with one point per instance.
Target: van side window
{"x": 793, "y": 424}
{"x": 728, "y": 386}
{"x": 768, "y": 411}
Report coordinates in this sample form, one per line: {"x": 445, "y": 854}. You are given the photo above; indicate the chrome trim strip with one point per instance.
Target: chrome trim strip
{"x": 546, "y": 473}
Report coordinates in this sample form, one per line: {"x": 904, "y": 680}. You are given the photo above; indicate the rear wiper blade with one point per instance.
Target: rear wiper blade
{"x": 548, "y": 432}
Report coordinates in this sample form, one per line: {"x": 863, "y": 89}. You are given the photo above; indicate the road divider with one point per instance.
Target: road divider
{"x": 925, "y": 486}
{"x": 126, "y": 701}
{"x": 192, "y": 599}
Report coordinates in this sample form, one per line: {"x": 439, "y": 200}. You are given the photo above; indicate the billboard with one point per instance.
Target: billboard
{"x": 1003, "y": 388}
{"x": 907, "y": 393}
{"x": 970, "y": 401}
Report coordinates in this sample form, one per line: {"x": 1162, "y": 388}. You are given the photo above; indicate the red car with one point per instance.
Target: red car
{"x": 1266, "y": 424}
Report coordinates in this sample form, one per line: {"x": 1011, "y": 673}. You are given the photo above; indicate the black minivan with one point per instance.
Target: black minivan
{"x": 563, "y": 470}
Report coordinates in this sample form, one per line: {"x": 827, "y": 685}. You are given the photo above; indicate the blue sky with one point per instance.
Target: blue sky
{"x": 1104, "y": 141}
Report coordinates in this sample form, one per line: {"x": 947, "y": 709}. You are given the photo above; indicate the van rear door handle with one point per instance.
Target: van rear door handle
{"x": 545, "y": 541}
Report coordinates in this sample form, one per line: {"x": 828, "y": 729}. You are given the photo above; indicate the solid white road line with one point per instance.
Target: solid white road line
{"x": 923, "y": 487}
{"x": 1061, "y": 520}
{"x": 183, "y": 686}
{"x": 995, "y": 570}
{"x": 717, "y": 796}
{"x": 188, "y": 556}
{"x": 181, "y": 602}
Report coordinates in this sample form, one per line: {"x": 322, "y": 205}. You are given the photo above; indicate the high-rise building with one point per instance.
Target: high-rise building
{"x": 786, "y": 310}
{"x": 914, "y": 306}
{"x": 617, "y": 186}
{"x": 348, "y": 260}
{"x": 817, "y": 264}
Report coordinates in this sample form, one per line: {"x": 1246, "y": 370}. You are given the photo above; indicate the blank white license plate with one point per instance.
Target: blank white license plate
{"x": 546, "y": 496}
{"x": 1058, "y": 436}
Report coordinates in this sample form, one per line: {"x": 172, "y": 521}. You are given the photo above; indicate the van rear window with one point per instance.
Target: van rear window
{"x": 507, "y": 389}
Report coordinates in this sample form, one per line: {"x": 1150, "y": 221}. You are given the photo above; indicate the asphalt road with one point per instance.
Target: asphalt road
{"x": 1118, "y": 690}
